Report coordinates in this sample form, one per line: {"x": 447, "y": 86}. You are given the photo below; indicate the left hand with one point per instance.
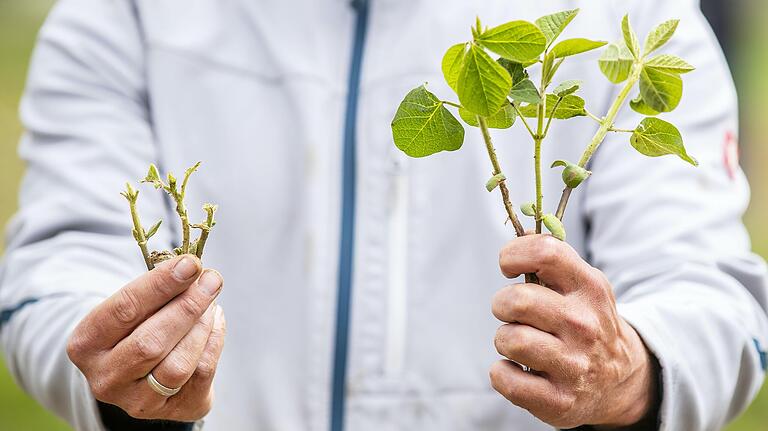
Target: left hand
{"x": 590, "y": 366}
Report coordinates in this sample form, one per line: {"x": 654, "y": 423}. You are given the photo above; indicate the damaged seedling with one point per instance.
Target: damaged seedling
{"x": 177, "y": 194}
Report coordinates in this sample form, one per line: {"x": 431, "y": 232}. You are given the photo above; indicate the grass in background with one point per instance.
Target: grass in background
{"x": 19, "y": 21}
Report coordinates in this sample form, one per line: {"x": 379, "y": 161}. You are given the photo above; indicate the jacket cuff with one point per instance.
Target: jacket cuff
{"x": 658, "y": 341}
{"x": 115, "y": 419}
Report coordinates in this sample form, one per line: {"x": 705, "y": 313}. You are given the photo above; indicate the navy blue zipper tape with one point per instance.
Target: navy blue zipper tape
{"x": 346, "y": 254}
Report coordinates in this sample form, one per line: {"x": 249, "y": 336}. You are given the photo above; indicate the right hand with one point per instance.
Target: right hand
{"x": 164, "y": 322}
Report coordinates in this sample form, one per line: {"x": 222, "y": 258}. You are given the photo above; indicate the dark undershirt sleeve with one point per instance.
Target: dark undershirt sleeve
{"x": 115, "y": 419}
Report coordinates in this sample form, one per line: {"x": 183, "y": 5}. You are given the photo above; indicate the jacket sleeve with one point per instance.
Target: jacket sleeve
{"x": 70, "y": 245}
{"x": 670, "y": 238}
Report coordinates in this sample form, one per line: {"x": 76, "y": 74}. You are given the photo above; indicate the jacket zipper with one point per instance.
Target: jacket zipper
{"x": 346, "y": 254}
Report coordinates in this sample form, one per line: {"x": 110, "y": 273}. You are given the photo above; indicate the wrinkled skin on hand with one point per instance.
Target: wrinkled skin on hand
{"x": 589, "y": 366}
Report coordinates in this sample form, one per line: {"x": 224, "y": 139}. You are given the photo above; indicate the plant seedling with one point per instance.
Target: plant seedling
{"x": 493, "y": 94}
{"x": 177, "y": 194}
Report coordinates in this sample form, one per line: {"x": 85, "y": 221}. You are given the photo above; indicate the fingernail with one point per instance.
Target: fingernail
{"x": 185, "y": 269}
{"x": 210, "y": 282}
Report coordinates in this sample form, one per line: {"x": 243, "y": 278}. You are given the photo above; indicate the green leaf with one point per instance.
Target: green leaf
{"x": 567, "y": 87}
{"x": 423, "y": 126}
{"x": 571, "y": 47}
{"x": 660, "y": 35}
{"x": 517, "y": 41}
{"x": 669, "y": 63}
{"x": 494, "y": 182}
{"x": 153, "y": 230}
{"x": 554, "y": 226}
{"x": 630, "y": 37}
{"x": 571, "y": 106}
{"x": 504, "y": 119}
{"x": 638, "y": 105}
{"x": 525, "y": 91}
{"x": 483, "y": 84}
{"x": 553, "y": 25}
{"x": 661, "y": 90}
{"x": 655, "y": 137}
{"x": 616, "y": 63}
{"x": 529, "y": 209}
{"x": 452, "y": 62}
{"x": 516, "y": 70}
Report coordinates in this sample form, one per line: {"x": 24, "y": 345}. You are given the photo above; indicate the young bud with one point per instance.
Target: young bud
{"x": 529, "y": 209}
{"x": 554, "y": 226}
{"x": 573, "y": 174}
{"x": 494, "y": 182}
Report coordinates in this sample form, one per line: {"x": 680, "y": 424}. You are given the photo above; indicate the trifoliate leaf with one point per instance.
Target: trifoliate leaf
{"x": 554, "y": 226}
{"x": 516, "y": 40}
{"x": 571, "y": 47}
{"x": 660, "y": 35}
{"x": 483, "y": 84}
{"x": 573, "y": 174}
{"x": 661, "y": 90}
{"x": 616, "y": 63}
{"x": 153, "y": 230}
{"x": 504, "y": 119}
{"x": 494, "y": 182}
{"x": 516, "y": 70}
{"x": 630, "y": 37}
{"x": 525, "y": 91}
{"x": 638, "y": 105}
{"x": 423, "y": 126}
{"x": 655, "y": 137}
{"x": 567, "y": 87}
{"x": 529, "y": 209}
{"x": 554, "y": 24}
{"x": 669, "y": 63}
{"x": 571, "y": 106}
{"x": 452, "y": 61}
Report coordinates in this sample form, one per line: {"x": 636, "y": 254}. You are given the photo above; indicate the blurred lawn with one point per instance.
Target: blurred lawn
{"x": 19, "y": 21}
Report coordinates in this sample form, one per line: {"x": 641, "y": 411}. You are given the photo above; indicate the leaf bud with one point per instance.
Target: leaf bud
{"x": 554, "y": 226}
{"x": 494, "y": 182}
{"x": 529, "y": 209}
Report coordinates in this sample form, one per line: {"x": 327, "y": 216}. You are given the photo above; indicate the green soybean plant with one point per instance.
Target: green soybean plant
{"x": 495, "y": 93}
{"x": 177, "y": 192}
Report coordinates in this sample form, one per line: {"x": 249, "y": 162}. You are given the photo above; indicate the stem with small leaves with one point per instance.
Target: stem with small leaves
{"x": 606, "y": 126}
{"x": 132, "y": 196}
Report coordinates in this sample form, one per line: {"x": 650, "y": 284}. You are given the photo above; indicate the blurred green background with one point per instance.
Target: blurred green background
{"x": 20, "y": 19}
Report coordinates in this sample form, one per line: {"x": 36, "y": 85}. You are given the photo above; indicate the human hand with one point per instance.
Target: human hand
{"x": 164, "y": 322}
{"x": 589, "y": 365}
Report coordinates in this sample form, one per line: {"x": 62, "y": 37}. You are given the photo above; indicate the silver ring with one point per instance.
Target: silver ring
{"x": 160, "y": 388}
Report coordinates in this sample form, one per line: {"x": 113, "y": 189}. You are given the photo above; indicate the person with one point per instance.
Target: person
{"x": 364, "y": 290}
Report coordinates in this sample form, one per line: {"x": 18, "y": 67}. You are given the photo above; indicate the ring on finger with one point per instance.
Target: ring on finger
{"x": 160, "y": 388}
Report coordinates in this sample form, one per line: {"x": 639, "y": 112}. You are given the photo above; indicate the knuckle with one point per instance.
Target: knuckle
{"x": 149, "y": 348}
{"x": 126, "y": 309}
{"x": 162, "y": 282}
{"x": 585, "y": 325}
{"x": 77, "y": 346}
{"x": 190, "y": 306}
{"x": 549, "y": 249}
{"x": 178, "y": 370}
{"x": 206, "y": 369}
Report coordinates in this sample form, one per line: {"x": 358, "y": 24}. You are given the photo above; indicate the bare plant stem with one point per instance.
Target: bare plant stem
{"x": 496, "y": 171}
{"x": 519, "y": 230}
{"x": 606, "y": 124}
{"x": 537, "y": 140}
